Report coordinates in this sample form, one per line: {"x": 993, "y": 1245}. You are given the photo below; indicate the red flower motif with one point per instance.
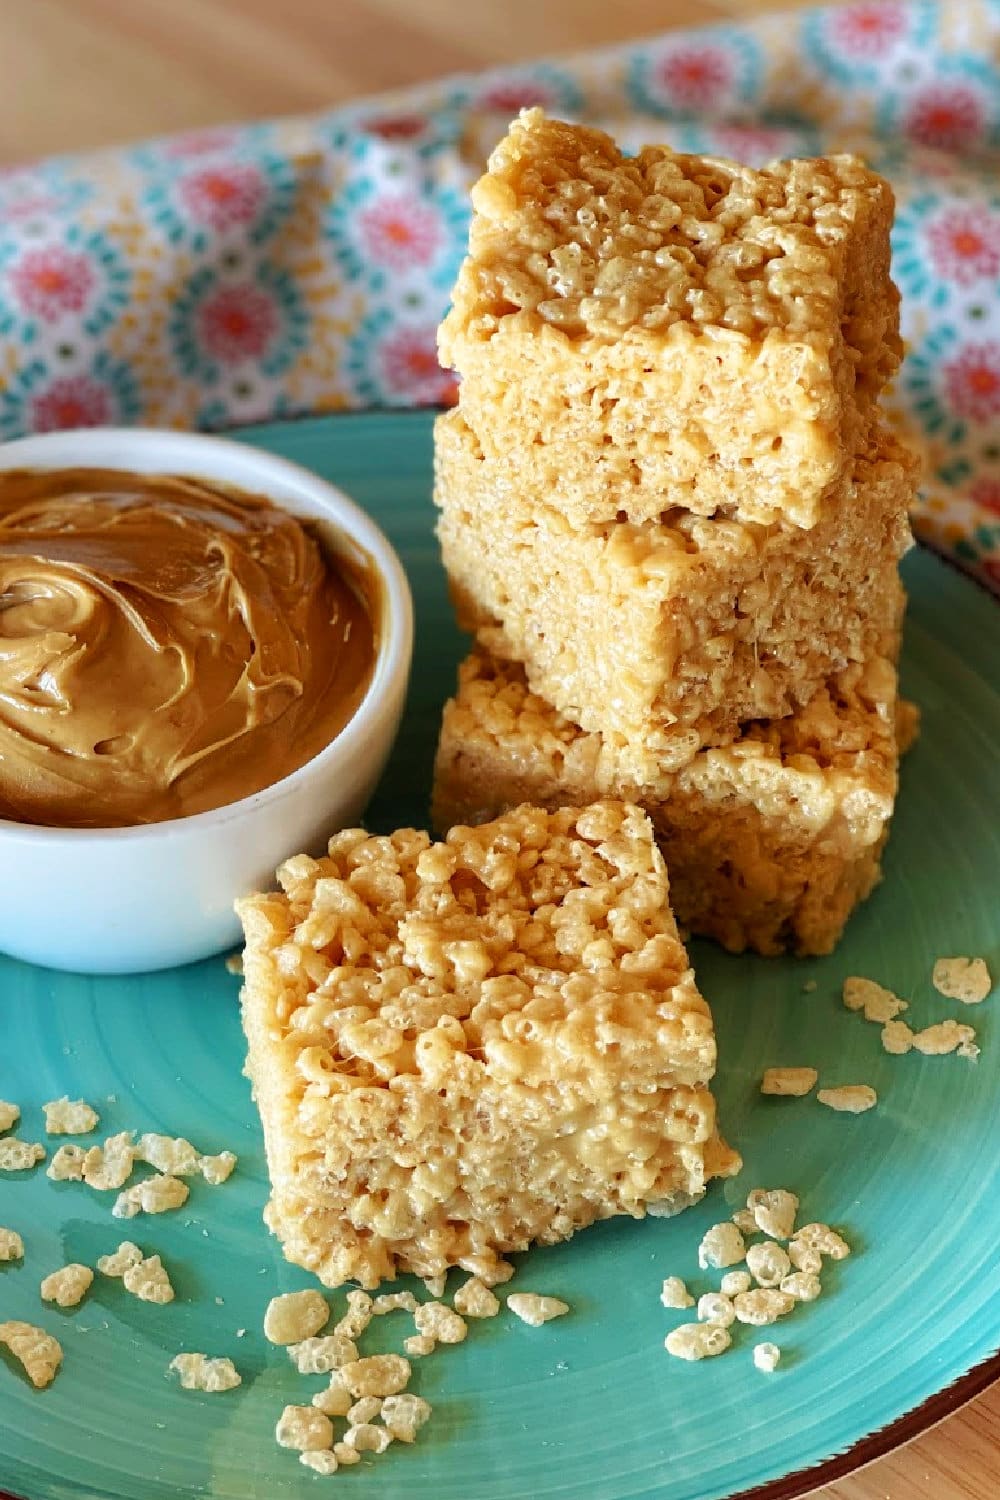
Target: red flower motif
{"x": 400, "y": 232}
{"x": 965, "y": 245}
{"x": 694, "y": 76}
{"x": 510, "y": 97}
{"x": 397, "y": 127}
{"x": 223, "y": 196}
{"x": 947, "y": 118}
{"x": 237, "y": 323}
{"x": 198, "y": 142}
{"x": 73, "y": 401}
{"x": 867, "y": 30}
{"x": 985, "y": 491}
{"x": 409, "y": 367}
{"x": 972, "y": 382}
{"x": 52, "y": 280}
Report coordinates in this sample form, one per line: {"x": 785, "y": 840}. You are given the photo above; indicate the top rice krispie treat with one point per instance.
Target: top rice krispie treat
{"x": 460, "y": 1048}
{"x": 630, "y": 329}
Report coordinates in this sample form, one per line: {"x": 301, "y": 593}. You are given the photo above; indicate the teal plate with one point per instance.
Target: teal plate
{"x": 590, "y": 1406}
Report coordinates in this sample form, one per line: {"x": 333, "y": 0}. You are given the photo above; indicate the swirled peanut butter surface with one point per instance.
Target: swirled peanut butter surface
{"x": 166, "y": 646}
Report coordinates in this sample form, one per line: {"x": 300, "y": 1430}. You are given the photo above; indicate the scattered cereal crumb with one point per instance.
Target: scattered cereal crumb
{"x": 19, "y": 1156}
{"x": 67, "y": 1164}
{"x": 944, "y": 1037}
{"x": 745, "y": 1221}
{"x": 965, "y": 979}
{"x": 147, "y": 1279}
{"x": 794, "y": 1082}
{"x": 366, "y": 1438}
{"x": 897, "y": 1038}
{"x": 217, "y": 1169}
{"x": 335, "y": 1399}
{"x": 762, "y": 1305}
{"x": 768, "y": 1263}
{"x": 199, "y": 1373}
{"x": 320, "y": 1460}
{"x": 358, "y": 1315}
{"x": 533, "y": 1309}
{"x": 967, "y": 1049}
{"x": 824, "y": 1239}
{"x": 715, "y": 1307}
{"x": 39, "y": 1353}
{"x": 68, "y": 1286}
{"x": 766, "y": 1357}
{"x": 849, "y": 1098}
{"x": 721, "y": 1246}
{"x": 735, "y": 1281}
{"x": 171, "y": 1154}
{"x": 435, "y": 1284}
{"x": 9, "y": 1115}
{"x": 802, "y": 1285}
{"x": 675, "y": 1294}
{"x": 697, "y": 1341}
{"x": 394, "y": 1302}
{"x": 809, "y": 988}
{"x": 345, "y": 1454}
{"x": 403, "y": 1416}
{"x": 442, "y": 1324}
{"x": 295, "y": 1316}
{"x": 805, "y": 1258}
{"x": 377, "y": 1375}
{"x": 107, "y": 1168}
{"x": 419, "y": 1344}
{"x": 365, "y": 1410}
{"x": 774, "y": 1211}
{"x": 305, "y": 1428}
{"x": 234, "y": 964}
{"x": 154, "y": 1195}
{"x": 11, "y": 1245}
{"x": 119, "y": 1262}
{"x": 67, "y": 1116}
{"x": 475, "y": 1300}
{"x": 878, "y": 1003}
{"x": 318, "y": 1356}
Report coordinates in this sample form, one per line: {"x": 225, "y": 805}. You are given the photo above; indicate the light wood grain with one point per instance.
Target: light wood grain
{"x": 87, "y": 73}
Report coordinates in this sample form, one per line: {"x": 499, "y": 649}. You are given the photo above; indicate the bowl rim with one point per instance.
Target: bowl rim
{"x": 125, "y": 448}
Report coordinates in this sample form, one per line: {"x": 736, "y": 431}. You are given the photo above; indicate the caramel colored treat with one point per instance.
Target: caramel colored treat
{"x": 671, "y": 636}
{"x": 770, "y": 841}
{"x": 667, "y": 330}
{"x": 458, "y": 1049}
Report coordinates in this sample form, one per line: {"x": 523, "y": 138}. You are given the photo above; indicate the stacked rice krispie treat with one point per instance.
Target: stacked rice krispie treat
{"x": 672, "y": 516}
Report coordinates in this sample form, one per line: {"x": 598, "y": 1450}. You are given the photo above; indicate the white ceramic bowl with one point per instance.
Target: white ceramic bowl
{"x": 119, "y": 900}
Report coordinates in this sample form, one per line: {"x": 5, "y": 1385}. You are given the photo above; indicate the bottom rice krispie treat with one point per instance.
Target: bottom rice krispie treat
{"x": 770, "y": 842}
{"x": 458, "y": 1049}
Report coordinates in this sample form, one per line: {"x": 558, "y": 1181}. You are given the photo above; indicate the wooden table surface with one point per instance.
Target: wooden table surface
{"x": 84, "y": 73}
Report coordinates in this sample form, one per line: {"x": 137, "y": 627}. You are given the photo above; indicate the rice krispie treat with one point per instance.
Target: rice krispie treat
{"x": 669, "y": 636}
{"x": 770, "y": 842}
{"x": 628, "y": 329}
{"x": 458, "y": 1049}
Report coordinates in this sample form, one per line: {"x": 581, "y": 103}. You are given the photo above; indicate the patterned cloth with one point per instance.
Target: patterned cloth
{"x": 302, "y": 265}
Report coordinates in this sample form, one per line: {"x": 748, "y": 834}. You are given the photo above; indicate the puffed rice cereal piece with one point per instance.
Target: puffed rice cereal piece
{"x": 435, "y": 1284}
{"x": 403, "y": 1416}
{"x": 768, "y": 1263}
{"x": 358, "y": 1315}
{"x": 167, "y": 1153}
{"x": 107, "y": 1168}
{"x": 367, "y": 1438}
{"x": 734, "y": 1282}
{"x": 19, "y": 1156}
{"x": 68, "y": 1286}
{"x": 11, "y": 1245}
{"x": 762, "y": 1305}
{"x": 116, "y": 1264}
{"x": 475, "y": 1300}
{"x": 897, "y": 1038}
{"x": 377, "y": 1375}
{"x": 67, "y": 1164}
{"x": 721, "y": 1246}
{"x": 320, "y": 1460}
{"x": 944, "y": 1037}
{"x": 9, "y": 1115}
{"x": 697, "y": 1341}
{"x": 675, "y": 1294}
{"x": 365, "y": 1410}
{"x": 745, "y": 1221}
{"x": 715, "y": 1307}
{"x": 418, "y": 1345}
{"x": 390, "y": 1302}
{"x": 148, "y": 1280}
{"x": 965, "y": 979}
{"x": 824, "y": 1239}
{"x": 802, "y": 1285}
{"x": 849, "y": 1098}
{"x": 318, "y": 1356}
{"x": 335, "y": 1399}
{"x": 346, "y": 1455}
{"x": 217, "y": 1169}
{"x": 441, "y": 1323}
{"x": 533, "y": 1309}
{"x": 878, "y": 1003}
{"x": 805, "y": 1258}
{"x": 39, "y": 1353}
{"x": 792, "y": 1082}
{"x": 154, "y": 1195}
{"x": 200, "y": 1373}
{"x": 774, "y": 1211}
{"x": 67, "y": 1116}
{"x": 766, "y": 1357}
{"x": 295, "y": 1316}
{"x": 305, "y": 1428}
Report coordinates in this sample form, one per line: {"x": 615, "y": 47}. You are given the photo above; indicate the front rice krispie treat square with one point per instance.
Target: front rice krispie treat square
{"x": 666, "y": 330}
{"x": 671, "y": 635}
{"x": 770, "y": 842}
{"x": 461, "y": 1048}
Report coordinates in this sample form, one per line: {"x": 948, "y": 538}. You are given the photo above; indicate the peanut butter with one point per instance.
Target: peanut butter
{"x": 167, "y": 645}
